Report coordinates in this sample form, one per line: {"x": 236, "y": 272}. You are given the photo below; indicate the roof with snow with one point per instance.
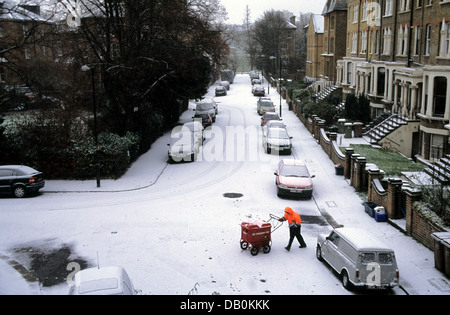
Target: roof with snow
{"x": 335, "y": 5}
{"x": 11, "y": 11}
{"x": 318, "y": 23}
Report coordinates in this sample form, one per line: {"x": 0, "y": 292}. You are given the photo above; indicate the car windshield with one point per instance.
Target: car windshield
{"x": 276, "y": 123}
{"x": 205, "y": 106}
{"x": 271, "y": 117}
{"x": 266, "y": 104}
{"x": 278, "y": 133}
{"x": 294, "y": 171}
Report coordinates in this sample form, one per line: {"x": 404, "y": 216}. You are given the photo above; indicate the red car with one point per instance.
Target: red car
{"x": 269, "y": 116}
{"x": 294, "y": 179}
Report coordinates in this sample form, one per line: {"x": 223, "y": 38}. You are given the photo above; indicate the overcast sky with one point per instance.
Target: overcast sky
{"x": 236, "y": 8}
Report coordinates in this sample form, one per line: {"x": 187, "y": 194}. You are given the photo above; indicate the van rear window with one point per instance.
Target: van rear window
{"x": 385, "y": 258}
{"x": 367, "y": 258}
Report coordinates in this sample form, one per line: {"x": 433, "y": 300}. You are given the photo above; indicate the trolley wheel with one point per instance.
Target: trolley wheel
{"x": 244, "y": 245}
{"x": 266, "y": 249}
{"x": 254, "y": 251}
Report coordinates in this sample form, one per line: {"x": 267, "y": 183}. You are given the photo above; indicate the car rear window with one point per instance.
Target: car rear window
{"x": 367, "y": 258}
{"x": 25, "y": 170}
{"x": 385, "y": 258}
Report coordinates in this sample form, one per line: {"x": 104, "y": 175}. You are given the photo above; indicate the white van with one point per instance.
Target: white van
{"x": 207, "y": 106}
{"x": 102, "y": 281}
{"x": 361, "y": 259}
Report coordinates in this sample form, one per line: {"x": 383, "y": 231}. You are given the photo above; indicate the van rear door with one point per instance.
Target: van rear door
{"x": 379, "y": 269}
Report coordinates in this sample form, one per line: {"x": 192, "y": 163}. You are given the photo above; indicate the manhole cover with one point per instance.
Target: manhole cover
{"x": 233, "y": 195}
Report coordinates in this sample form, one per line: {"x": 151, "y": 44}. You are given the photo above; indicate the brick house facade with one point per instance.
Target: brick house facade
{"x": 398, "y": 54}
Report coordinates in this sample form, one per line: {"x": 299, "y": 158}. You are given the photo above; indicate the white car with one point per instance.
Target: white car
{"x": 184, "y": 146}
{"x": 277, "y": 139}
{"x": 102, "y": 281}
{"x": 197, "y": 128}
{"x": 207, "y": 106}
{"x": 272, "y": 124}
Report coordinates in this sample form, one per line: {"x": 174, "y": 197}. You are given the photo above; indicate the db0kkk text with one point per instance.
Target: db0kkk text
{"x": 226, "y": 305}
{"x": 246, "y": 305}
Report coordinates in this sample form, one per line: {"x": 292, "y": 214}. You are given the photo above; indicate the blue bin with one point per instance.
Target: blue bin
{"x": 369, "y": 208}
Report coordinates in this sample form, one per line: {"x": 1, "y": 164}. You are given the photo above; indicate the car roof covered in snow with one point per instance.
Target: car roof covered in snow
{"x": 362, "y": 240}
{"x": 107, "y": 280}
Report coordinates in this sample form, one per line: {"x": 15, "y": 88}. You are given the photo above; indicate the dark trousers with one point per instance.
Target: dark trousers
{"x": 294, "y": 231}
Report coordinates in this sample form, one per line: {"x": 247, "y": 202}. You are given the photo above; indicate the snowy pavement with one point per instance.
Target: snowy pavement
{"x": 173, "y": 230}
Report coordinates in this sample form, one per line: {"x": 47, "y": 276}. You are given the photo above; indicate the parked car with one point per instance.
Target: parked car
{"x": 196, "y": 127}
{"x": 253, "y": 75}
{"x": 268, "y": 116}
{"x": 262, "y": 98}
{"x": 102, "y": 281}
{"x": 20, "y": 180}
{"x": 225, "y": 84}
{"x": 258, "y": 90}
{"x": 184, "y": 147}
{"x": 360, "y": 258}
{"x": 204, "y": 119}
{"x": 265, "y": 106}
{"x": 207, "y": 106}
{"x": 221, "y": 91}
{"x": 272, "y": 124}
{"x": 277, "y": 139}
{"x": 292, "y": 178}
{"x": 256, "y": 81}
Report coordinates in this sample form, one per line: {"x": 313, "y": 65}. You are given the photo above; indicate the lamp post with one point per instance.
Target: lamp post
{"x": 86, "y": 68}
{"x": 279, "y": 80}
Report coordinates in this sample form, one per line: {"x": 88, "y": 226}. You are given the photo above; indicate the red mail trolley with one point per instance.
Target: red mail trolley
{"x": 257, "y": 235}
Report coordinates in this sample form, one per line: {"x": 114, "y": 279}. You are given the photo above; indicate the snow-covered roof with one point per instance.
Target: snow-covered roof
{"x": 318, "y": 23}
{"x": 362, "y": 239}
{"x": 10, "y": 10}
{"x": 335, "y": 5}
{"x": 289, "y": 25}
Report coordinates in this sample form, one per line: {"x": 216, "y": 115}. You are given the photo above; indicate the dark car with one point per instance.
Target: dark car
{"x": 205, "y": 119}
{"x": 19, "y": 180}
{"x": 221, "y": 91}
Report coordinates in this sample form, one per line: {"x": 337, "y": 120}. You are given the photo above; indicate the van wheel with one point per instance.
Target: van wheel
{"x": 319, "y": 253}
{"x": 346, "y": 280}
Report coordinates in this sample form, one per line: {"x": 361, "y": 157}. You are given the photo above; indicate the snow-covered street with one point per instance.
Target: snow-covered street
{"x": 171, "y": 227}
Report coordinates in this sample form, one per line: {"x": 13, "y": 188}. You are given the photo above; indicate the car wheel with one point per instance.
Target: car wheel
{"x": 319, "y": 253}
{"x": 19, "y": 192}
{"x": 254, "y": 251}
{"x": 266, "y": 249}
{"x": 244, "y": 245}
{"x": 346, "y": 281}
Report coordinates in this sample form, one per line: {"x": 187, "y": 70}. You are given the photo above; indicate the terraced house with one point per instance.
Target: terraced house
{"x": 398, "y": 54}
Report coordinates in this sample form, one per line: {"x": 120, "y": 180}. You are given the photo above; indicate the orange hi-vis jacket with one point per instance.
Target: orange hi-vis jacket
{"x": 292, "y": 217}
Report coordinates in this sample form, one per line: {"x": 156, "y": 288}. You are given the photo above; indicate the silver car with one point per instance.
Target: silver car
{"x": 277, "y": 139}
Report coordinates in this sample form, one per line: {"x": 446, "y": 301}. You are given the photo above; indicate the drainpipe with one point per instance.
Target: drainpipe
{"x": 394, "y": 46}
{"x": 411, "y": 28}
